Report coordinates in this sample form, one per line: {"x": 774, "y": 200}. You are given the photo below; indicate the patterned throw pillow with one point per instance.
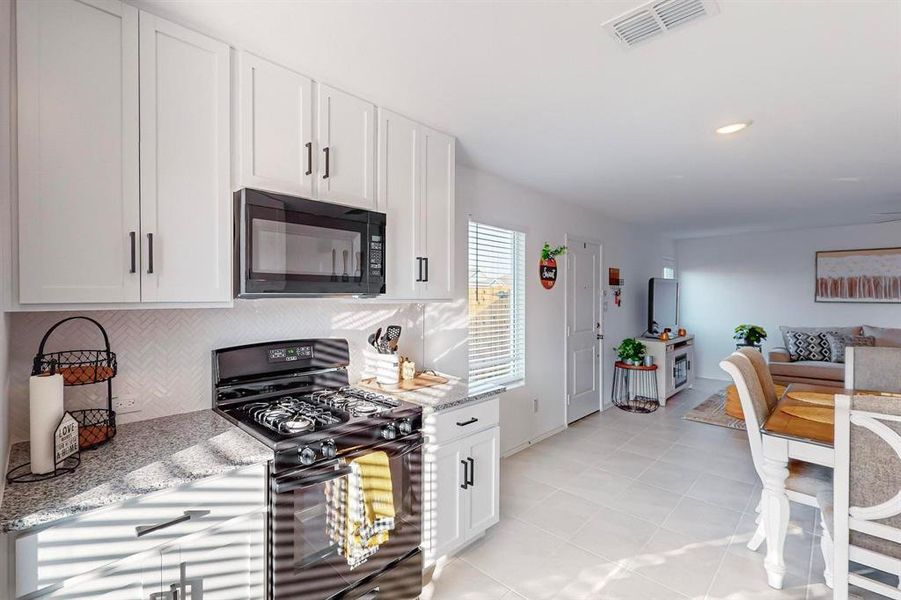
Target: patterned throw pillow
{"x": 808, "y": 346}
{"x": 838, "y": 342}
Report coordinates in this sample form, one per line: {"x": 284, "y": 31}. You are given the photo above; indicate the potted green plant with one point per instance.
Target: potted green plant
{"x": 631, "y": 351}
{"x": 749, "y": 335}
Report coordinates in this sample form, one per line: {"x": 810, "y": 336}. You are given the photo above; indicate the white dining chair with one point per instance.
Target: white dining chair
{"x": 862, "y": 518}
{"x": 805, "y": 480}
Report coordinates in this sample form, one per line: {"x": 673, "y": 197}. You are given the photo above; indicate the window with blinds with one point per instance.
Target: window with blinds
{"x": 497, "y": 344}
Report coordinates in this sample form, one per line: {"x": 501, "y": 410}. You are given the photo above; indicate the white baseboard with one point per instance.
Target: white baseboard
{"x": 533, "y": 441}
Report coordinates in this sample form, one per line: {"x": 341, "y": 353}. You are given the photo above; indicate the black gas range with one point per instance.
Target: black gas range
{"x": 294, "y": 397}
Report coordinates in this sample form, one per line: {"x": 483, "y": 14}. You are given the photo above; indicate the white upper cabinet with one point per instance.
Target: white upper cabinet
{"x": 185, "y": 196}
{"x": 399, "y": 197}
{"x": 118, "y": 203}
{"x": 274, "y": 149}
{"x": 416, "y": 190}
{"x": 78, "y": 151}
{"x": 346, "y": 144}
{"x": 437, "y": 214}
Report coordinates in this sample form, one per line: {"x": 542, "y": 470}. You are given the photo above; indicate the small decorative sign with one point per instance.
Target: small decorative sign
{"x": 547, "y": 267}
{"x": 66, "y": 438}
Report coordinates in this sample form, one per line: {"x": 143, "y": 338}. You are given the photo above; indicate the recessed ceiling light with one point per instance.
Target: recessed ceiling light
{"x": 733, "y": 127}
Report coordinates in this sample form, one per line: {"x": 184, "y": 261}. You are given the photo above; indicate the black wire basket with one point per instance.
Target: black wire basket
{"x": 96, "y": 426}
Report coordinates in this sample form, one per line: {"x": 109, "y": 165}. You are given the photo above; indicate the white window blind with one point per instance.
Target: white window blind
{"x": 497, "y": 343}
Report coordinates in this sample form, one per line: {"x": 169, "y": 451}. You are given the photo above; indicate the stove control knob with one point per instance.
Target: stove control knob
{"x": 328, "y": 449}
{"x": 389, "y": 432}
{"x": 307, "y": 455}
{"x": 405, "y": 427}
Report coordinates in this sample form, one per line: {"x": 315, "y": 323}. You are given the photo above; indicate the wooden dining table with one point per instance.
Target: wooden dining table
{"x": 788, "y": 436}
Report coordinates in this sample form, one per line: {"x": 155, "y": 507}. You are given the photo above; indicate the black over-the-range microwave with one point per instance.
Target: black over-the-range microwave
{"x": 287, "y": 246}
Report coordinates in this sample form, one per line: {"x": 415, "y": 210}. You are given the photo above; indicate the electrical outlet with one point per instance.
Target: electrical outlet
{"x": 535, "y": 405}
{"x": 125, "y": 404}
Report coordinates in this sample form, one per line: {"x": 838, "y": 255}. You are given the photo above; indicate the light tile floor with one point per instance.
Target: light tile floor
{"x": 632, "y": 506}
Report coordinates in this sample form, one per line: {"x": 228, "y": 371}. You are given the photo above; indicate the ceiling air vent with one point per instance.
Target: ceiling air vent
{"x": 652, "y": 19}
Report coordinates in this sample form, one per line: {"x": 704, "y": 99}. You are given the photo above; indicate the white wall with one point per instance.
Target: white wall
{"x": 768, "y": 279}
{"x": 492, "y": 200}
{"x": 6, "y": 190}
{"x": 164, "y": 355}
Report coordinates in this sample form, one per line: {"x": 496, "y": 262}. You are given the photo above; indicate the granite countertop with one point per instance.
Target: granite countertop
{"x": 144, "y": 457}
{"x": 449, "y": 395}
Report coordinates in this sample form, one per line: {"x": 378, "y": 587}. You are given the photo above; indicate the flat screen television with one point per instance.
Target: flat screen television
{"x": 663, "y": 304}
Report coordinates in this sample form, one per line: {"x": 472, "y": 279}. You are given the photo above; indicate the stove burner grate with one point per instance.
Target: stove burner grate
{"x": 357, "y": 402}
{"x": 290, "y": 415}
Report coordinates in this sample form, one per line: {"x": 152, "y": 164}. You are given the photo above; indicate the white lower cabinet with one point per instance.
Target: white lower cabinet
{"x": 225, "y": 563}
{"x": 211, "y": 530}
{"x": 137, "y": 579}
{"x": 462, "y": 491}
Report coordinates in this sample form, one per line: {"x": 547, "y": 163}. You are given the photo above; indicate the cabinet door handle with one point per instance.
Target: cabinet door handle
{"x": 134, "y": 263}
{"x": 150, "y": 253}
{"x": 472, "y": 472}
{"x": 141, "y": 530}
{"x": 465, "y": 483}
{"x": 418, "y": 268}
{"x": 426, "y": 260}
{"x": 327, "y": 166}
{"x": 469, "y": 422}
{"x": 309, "y": 170}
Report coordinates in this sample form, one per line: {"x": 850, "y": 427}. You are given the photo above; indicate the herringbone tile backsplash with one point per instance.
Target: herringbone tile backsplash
{"x": 164, "y": 355}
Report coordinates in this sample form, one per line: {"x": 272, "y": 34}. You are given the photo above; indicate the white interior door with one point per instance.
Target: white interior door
{"x": 583, "y": 328}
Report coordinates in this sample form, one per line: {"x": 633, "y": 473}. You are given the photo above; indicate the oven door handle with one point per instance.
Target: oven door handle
{"x": 296, "y": 483}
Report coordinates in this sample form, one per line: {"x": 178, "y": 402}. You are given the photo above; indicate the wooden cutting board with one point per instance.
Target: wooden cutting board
{"x": 422, "y": 380}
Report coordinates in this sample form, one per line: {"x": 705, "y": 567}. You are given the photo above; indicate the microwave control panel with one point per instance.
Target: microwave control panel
{"x": 376, "y": 255}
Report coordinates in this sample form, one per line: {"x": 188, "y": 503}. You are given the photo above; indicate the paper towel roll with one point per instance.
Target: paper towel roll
{"x": 45, "y": 397}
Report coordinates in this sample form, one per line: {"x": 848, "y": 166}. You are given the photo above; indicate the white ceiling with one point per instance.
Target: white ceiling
{"x": 538, "y": 93}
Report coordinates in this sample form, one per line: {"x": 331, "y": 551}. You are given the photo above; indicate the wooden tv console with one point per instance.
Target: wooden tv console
{"x": 675, "y": 364}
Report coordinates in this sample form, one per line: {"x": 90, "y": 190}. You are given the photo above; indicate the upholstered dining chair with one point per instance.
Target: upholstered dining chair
{"x": 763, "y": 376}
{"x": 876, "y": 369}
{"x": 805, "y": 480}
{"x": 863, "y": 516}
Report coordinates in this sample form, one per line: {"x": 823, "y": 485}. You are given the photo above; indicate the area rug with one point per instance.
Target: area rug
{"x": 713, "y": 411}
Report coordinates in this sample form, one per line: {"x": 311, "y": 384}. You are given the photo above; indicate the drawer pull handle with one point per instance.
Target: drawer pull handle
{"x": 469, "y": 422}
{"x": 186, "y": 516}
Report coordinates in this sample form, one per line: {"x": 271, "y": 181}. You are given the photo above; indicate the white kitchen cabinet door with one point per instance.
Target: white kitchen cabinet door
{"x": 224, "y": 563}
{"x": 78, "y": 151}
{"x": 276, "y": 128}
{"x": 399, "y": 197}
{"x": 133, "y": 579}
{"x": 437, "y": 215}
{"x": 185, "y": 196}
{"x": 483, "y": 456}
{"x": 346, "y": 141}
{"x": 446, "y": 501}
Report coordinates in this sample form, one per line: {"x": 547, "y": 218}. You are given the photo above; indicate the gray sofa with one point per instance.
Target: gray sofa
{"x": 816, "y": 372}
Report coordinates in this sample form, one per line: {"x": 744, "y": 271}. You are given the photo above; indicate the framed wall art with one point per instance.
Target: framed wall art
{"x": 868, "y": 276}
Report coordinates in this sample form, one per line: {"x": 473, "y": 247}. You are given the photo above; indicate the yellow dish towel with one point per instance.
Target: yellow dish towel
{"x": 370, "y": 507}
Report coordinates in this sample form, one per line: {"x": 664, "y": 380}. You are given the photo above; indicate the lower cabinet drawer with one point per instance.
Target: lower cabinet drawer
{"x": 450, "y": 425}
{"x": 52, "y": 555}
